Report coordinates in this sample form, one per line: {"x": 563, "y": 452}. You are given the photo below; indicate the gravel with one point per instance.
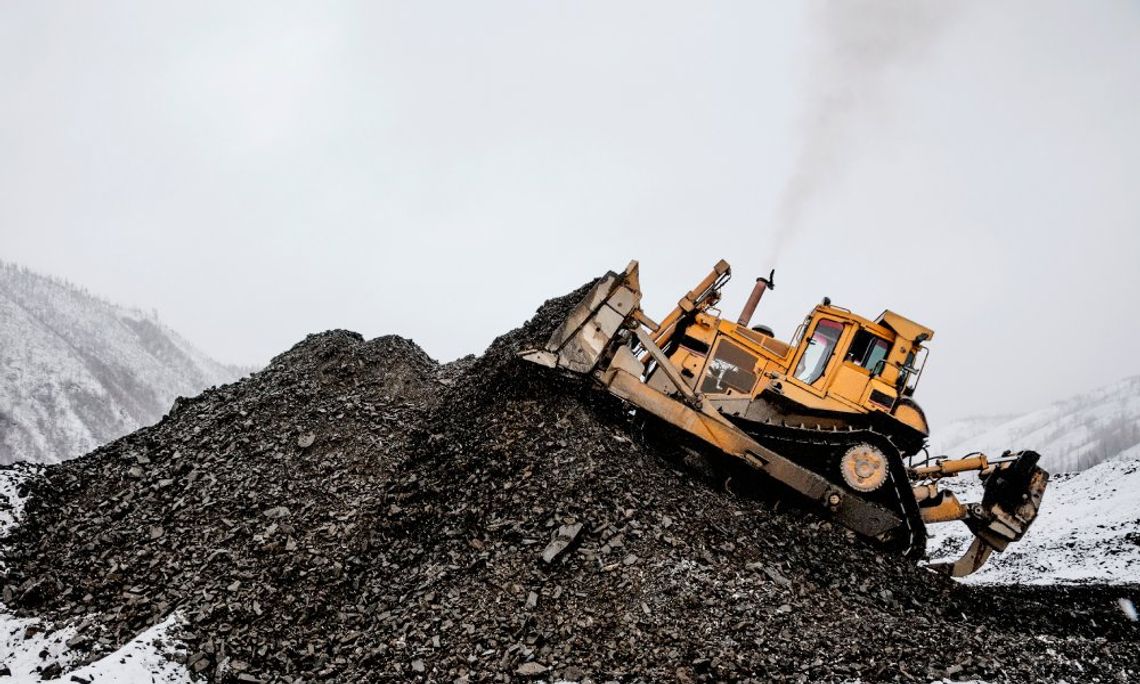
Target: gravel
{"x": 357, "y": 512}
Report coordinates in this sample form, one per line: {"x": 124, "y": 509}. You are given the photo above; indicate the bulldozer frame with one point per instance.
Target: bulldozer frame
{"x": 860, "y": 408}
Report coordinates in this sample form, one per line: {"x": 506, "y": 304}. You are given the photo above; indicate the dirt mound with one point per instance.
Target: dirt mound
{"x": 242, "y": 508}
{"x": 357, "y": 513}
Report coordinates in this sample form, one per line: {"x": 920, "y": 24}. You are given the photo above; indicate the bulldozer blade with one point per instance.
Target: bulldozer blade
{"x": 587, "y": 333}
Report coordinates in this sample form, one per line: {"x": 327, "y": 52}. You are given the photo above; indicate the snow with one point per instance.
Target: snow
{"x": 1129, "y": 609}
{"x": 77, "y": 371}
{"x": 1070, "y": 435}
{"x": 1088, "y": 530}
{"x": 944, "y": 439}
{"x": 140, "y": 660}
{"x": 27, "y": 646}
{"x": 11, "y": 503}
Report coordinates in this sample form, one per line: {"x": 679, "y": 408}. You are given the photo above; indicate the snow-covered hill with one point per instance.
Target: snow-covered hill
{"x": 1070, "y": 435}
{"x": 77, "y": 371}
{"x": 944, "y": 439}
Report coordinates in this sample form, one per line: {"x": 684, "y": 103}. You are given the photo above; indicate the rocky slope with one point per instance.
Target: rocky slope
{"x": 356, "y": 513}
{"x": 1070, "y": 435}
{"x": 77, "y": 372}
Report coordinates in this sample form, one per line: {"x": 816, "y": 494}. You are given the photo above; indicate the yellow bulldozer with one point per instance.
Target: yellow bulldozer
{"x": 831, "y": 414}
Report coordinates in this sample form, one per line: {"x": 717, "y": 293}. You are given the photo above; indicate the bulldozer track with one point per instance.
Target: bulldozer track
{"x": 790, "y": 440}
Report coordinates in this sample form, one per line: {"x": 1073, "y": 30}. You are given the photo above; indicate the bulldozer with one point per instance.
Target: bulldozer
{"x": 829, "y": 417}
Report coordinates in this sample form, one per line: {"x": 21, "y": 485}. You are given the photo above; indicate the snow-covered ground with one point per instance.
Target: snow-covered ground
{"x": 1089, "y": 526}
{"x": 1088, "y": 530}
{"x": 141, "y": 661}
{"x": 11, "y": 503}
{"x": 28, "y": 649}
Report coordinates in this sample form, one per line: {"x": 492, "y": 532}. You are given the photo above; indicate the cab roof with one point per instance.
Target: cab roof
{"x": 904, "y": 327}
{"x": 888, "y": 321}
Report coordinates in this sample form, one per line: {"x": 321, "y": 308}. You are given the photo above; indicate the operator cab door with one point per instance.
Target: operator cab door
{"x": 864, "y": 359}
{"x": 816, "y": 358}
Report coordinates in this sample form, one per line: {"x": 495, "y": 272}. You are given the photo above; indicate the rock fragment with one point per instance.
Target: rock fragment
{"x": 276, "y": 512}
{"x": 531, "y": 669}
{"x": 562, "y": 540}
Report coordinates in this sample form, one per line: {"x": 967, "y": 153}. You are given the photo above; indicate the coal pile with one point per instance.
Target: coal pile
{"x": 357, "y": 512}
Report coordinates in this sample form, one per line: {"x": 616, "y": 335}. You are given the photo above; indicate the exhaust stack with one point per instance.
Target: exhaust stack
{"x": 762, "y": 284}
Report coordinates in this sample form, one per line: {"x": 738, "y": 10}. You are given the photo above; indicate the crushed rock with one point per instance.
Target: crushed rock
{"x": 357, "y": 512}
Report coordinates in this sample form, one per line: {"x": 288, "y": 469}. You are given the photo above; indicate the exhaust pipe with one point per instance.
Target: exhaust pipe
{"x": 762, "y": 284}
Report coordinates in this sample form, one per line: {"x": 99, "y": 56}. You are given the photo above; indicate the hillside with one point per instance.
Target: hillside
{"x": 944, "y": 439}
{"x": 1071, "y": 435}
{"x": 77, "y": 371}
{"x": 355, "y": 512}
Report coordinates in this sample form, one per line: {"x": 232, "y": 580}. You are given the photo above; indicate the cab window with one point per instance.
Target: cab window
{"x": 820, "y": 347}
{"x": 868, "y": 351}
{"x": 731, "y": 367}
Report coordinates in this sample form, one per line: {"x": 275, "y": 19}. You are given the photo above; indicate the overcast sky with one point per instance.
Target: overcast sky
{"x": 260, "y": 171}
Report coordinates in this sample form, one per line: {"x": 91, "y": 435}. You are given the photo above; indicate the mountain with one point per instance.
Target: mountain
{"x": 1071, "y": 435}
{"x": 77, "y": 371}
{"x": 944, "y": 439}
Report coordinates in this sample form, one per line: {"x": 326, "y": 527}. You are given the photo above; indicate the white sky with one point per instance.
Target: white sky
{"x": 259, "y": 171}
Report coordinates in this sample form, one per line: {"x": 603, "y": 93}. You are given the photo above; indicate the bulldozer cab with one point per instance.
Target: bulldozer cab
{"x": 865, "y": 365}
{"x": 837, "y": 361}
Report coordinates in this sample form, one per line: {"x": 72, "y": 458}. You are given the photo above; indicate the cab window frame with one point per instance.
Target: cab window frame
{"x": 729, "y": 379}
{"x": 861, "y": 353}
{"x": 824, "y": 363}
